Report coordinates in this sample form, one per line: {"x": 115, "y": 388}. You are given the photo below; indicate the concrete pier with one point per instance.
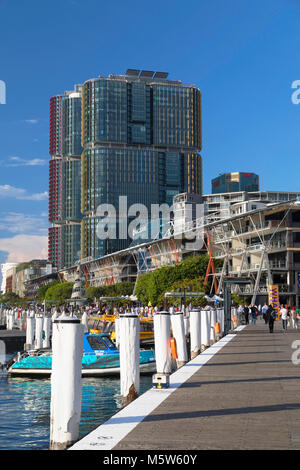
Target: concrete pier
{"x": 243, "y": 392}
{"x": 14, "y": 340}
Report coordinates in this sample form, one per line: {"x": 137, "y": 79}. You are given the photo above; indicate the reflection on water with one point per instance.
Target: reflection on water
{"x": 25, "y": 408}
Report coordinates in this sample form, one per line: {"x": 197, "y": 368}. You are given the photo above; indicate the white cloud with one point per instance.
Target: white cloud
{"x": 15, "y": 222}
{"x": 17, "y": 161}
{"x": 31, "y": 121}
{"x": 7, "y": 190}
{"x": 35, "y": 197}
{"x": 23, "y": 248}
{"x": 10, "y": 191}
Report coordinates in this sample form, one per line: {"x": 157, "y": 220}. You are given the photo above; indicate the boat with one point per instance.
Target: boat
{"x": 101, "y": 357}
{"x": 106, "y": 324}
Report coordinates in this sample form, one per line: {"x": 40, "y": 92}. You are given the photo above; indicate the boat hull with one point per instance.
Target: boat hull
{"x": 91, "y": 366}
{"x": 107, "y": 372}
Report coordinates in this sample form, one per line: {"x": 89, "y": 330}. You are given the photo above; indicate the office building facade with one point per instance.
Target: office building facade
{"x": 65, "y": 178}
{"x": 235, "y": 182}
{"x": 141, "y": 138}
{"x": 136, "y": 135}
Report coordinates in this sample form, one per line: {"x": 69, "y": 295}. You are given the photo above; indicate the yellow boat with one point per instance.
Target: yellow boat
{"x": 105, "y": 324}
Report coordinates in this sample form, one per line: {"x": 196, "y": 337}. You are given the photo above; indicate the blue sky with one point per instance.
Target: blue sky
{"x": 242, "y": 54}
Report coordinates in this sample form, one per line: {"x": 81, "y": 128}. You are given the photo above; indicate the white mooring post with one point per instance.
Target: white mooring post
{"x": 46, "y": 332}
{"x": 129, "y": 328}
{"x": 117, "y": 331}
{"x": 179, "y": 335}
{"x": 213, "y": 319}
{"x": 205, "y": 329}
{"x": 220, "y": 319}
{"x": 65, "y": 408}
{"x": 30, "y": 327}
{"x": 186, "y": 321}
{"x": 195, "y": 332}
{"x": 162, "y": 345}
{"x": 55, "y": 315}
{"x": 10, "y": 320}
{"x": 38, "y": 342}
{"x": 85, "y": 322}
{"x": 234, "y": 318}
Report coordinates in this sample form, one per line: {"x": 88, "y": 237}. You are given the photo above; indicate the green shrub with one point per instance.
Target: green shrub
{"x": 151, "y": 287}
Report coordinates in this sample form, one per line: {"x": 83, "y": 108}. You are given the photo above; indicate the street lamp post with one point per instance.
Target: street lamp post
{"x": 184, "y": 295}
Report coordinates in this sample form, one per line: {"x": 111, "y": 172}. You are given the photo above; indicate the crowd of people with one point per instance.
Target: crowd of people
{"x": 289, "y": 316}
{"x": 141, "y": 310}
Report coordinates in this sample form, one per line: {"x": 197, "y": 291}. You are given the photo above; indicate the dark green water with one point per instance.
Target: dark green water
{"x": 25, "y": 408}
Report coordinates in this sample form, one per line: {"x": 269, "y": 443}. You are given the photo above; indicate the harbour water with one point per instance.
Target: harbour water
{"x": 25, "y": 408}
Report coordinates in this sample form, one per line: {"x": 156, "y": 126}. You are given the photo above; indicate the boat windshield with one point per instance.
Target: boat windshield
{"x": 108, "y": 342}
{"x": 96, "y": 343}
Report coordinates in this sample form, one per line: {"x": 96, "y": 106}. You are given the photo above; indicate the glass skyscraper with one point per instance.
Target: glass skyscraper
{"x": 65, "y": 178}
{"x": 235, "y": 182}
{"x": 140, "y": 138}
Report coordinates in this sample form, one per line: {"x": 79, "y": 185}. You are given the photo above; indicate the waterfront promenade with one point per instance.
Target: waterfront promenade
{"x": 241, "y": 393}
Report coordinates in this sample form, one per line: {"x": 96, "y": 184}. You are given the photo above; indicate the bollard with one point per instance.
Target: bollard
{"x": 84, "y": 321}
{"x": 179, "y": 335}
{"x": 234, "y": 319}
{"x": 205, "y": 329}
{"x": 213, "y": 319}
{"x": 30, "y": 327}
{"x": 186, "y": 322}
{"x": 10, "y": 320}
{"x": 129, "y": 328}
{"x": 162, "y": 336}
{"x": 66, "y": 381}
{"x": 117, "y": 332}
{"x": 38, "y": 343}
{"x": 54, "y": 316}
{"x": 220, "y": 319}
{"x": 195, "y": 332}
{"x": 46, "y": 332}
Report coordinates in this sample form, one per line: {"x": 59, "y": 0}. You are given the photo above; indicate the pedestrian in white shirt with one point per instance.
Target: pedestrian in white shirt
{"x": 284, "y": 316}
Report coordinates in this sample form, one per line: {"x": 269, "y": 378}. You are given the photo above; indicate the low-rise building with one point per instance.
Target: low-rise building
{"x": 18, "y": 275}
{"x": 4, "y": 268}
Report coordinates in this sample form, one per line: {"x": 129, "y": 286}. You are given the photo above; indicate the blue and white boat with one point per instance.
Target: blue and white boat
{"x": 100, "y": 357}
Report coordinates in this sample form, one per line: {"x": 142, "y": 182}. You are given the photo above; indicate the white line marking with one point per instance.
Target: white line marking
{"x": 110, "y": 433}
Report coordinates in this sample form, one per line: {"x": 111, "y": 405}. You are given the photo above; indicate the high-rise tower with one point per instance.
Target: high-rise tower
{"x": 65, "y": 178}
{"x": 141, "y": 138}
{"x": 136, "y": 135}
{"x": 234, "y": 182}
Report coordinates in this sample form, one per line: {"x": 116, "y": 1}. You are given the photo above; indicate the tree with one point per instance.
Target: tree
{"x": 43, "y": 289}
{"x": 152, "y": 286}
{"x": 9, "y": 298}
{"x": 61, "y": 292}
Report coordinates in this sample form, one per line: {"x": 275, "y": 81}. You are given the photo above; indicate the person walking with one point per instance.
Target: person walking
{"x": 259, "y": 311}
{"x": 284, "y": 317}
{"x": 253, "y": 313}
{"x": 294, "y": 317}
{"x": 246, "y": 313}
{"x": 297, "y": 317}
{"x": 264, "y": 312}
{"x": 271, "y": 315}
{"x": 240, "y": 312}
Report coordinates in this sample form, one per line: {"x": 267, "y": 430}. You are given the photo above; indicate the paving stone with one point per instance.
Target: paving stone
{"x": 245, "y": 397}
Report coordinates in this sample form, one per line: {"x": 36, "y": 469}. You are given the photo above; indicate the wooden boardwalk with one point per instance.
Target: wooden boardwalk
{"x": 245, "y": 396}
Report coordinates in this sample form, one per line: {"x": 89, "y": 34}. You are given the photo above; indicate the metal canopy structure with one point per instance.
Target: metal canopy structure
{"x": 255, "y": 245}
